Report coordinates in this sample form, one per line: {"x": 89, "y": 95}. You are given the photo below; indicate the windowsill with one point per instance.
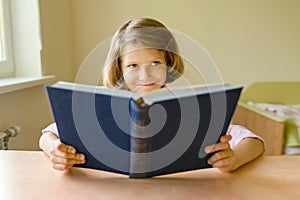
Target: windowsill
{"x": 13, "y": 84}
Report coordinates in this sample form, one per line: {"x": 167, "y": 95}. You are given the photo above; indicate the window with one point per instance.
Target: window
{"x": 20, "y": 46}
{"x": 6, "y": 58}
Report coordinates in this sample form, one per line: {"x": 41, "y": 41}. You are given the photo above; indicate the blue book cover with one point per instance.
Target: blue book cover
{"x": 142, "y": 136}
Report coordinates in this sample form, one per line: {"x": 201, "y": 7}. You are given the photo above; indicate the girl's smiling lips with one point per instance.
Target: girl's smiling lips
{"x": 146, "y": 84}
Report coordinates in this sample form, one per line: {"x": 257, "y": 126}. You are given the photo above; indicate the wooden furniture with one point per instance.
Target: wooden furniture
{"x": 29, "y": 175}
{"x": 272, "y": 131}
{"x": 277, "y": 132}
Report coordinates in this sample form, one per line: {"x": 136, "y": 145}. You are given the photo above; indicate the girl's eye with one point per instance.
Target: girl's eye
{"x": 132, "y": 66}
{"x": 155, "y": 63}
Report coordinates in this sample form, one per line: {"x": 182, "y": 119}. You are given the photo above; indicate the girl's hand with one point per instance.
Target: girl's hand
{"x": 63, "y": 156}
{"x": 223, "y": 156}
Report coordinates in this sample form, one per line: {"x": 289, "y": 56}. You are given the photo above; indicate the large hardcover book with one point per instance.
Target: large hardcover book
{"x": 162, "y": 132}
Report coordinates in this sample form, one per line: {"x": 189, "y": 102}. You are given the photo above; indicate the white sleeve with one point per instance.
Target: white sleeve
{"x": 239, "y": 133}
{"x": 51, "y": 128}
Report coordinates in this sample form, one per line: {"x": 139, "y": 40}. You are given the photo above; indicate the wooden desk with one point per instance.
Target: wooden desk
{"x": 28, "y": 175}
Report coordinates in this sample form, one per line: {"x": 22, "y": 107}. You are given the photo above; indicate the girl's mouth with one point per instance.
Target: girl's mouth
{"x": 146, "y": 84}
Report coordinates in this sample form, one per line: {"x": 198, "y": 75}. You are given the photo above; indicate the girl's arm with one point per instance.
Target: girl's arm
{"x": 228, "y": 159}
{"x": 247, "y": 150}
{"x": 62, "y": 156}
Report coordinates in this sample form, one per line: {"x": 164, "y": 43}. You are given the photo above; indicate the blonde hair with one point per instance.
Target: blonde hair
{"x": 141, "y": 33}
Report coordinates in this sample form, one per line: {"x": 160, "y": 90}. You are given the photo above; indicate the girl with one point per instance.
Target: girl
{"x": 139, "y": 54}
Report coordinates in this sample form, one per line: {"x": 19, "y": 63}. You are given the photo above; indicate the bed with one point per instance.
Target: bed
{"x": 258, "y": 110}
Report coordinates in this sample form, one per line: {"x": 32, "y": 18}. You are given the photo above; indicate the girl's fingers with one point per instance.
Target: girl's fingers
{"x": 217, "y": 147}
{"x": 57, "y": 153}
{"x": 63, "y": 156}
{"x": 65, "y": 151}
{"x": 61, "y": 163}
{"x": 225, "y": 138}
{"x": 226, "y": 164}
{"x": 220, "y": 156}
{"x": 223, "y": 144}
{"x": 67, "y": 161}
{"x": 223, "y": 156}
{"x": 63, "y": 147}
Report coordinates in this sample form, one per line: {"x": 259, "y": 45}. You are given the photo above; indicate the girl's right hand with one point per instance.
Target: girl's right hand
{"x": 63, "y": 156}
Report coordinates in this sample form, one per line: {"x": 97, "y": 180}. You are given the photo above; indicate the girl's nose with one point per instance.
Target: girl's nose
{"x": 144, "y": 73}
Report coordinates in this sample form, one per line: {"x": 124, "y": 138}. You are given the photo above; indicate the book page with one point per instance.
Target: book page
{"x": 155, "y": 96}
{"x": 181, "y": 92}
{"x": 96, "y": 89}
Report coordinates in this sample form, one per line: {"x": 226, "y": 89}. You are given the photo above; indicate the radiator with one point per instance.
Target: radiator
{"x": 4, "y": 136}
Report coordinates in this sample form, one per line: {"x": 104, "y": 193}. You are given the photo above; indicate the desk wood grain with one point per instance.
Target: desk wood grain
{"x": 28, "y": 175}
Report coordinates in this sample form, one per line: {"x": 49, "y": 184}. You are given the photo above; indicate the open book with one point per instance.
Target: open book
{"x": 163, "y": 132}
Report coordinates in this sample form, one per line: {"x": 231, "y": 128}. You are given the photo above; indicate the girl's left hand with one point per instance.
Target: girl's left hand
{"x": 223, "y": 156}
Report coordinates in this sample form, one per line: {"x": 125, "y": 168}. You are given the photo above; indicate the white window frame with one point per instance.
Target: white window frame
{"x": 26, "y": 46}
{"x": 7, "y": 68}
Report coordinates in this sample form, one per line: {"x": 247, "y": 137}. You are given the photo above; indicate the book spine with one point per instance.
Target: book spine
{"x": 140, "y": 143}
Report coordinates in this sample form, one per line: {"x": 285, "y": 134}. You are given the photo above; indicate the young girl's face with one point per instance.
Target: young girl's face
{"x": 144, "y": 70}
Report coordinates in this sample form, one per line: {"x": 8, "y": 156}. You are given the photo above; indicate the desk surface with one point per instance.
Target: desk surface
{"x": 28, "y": 175}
